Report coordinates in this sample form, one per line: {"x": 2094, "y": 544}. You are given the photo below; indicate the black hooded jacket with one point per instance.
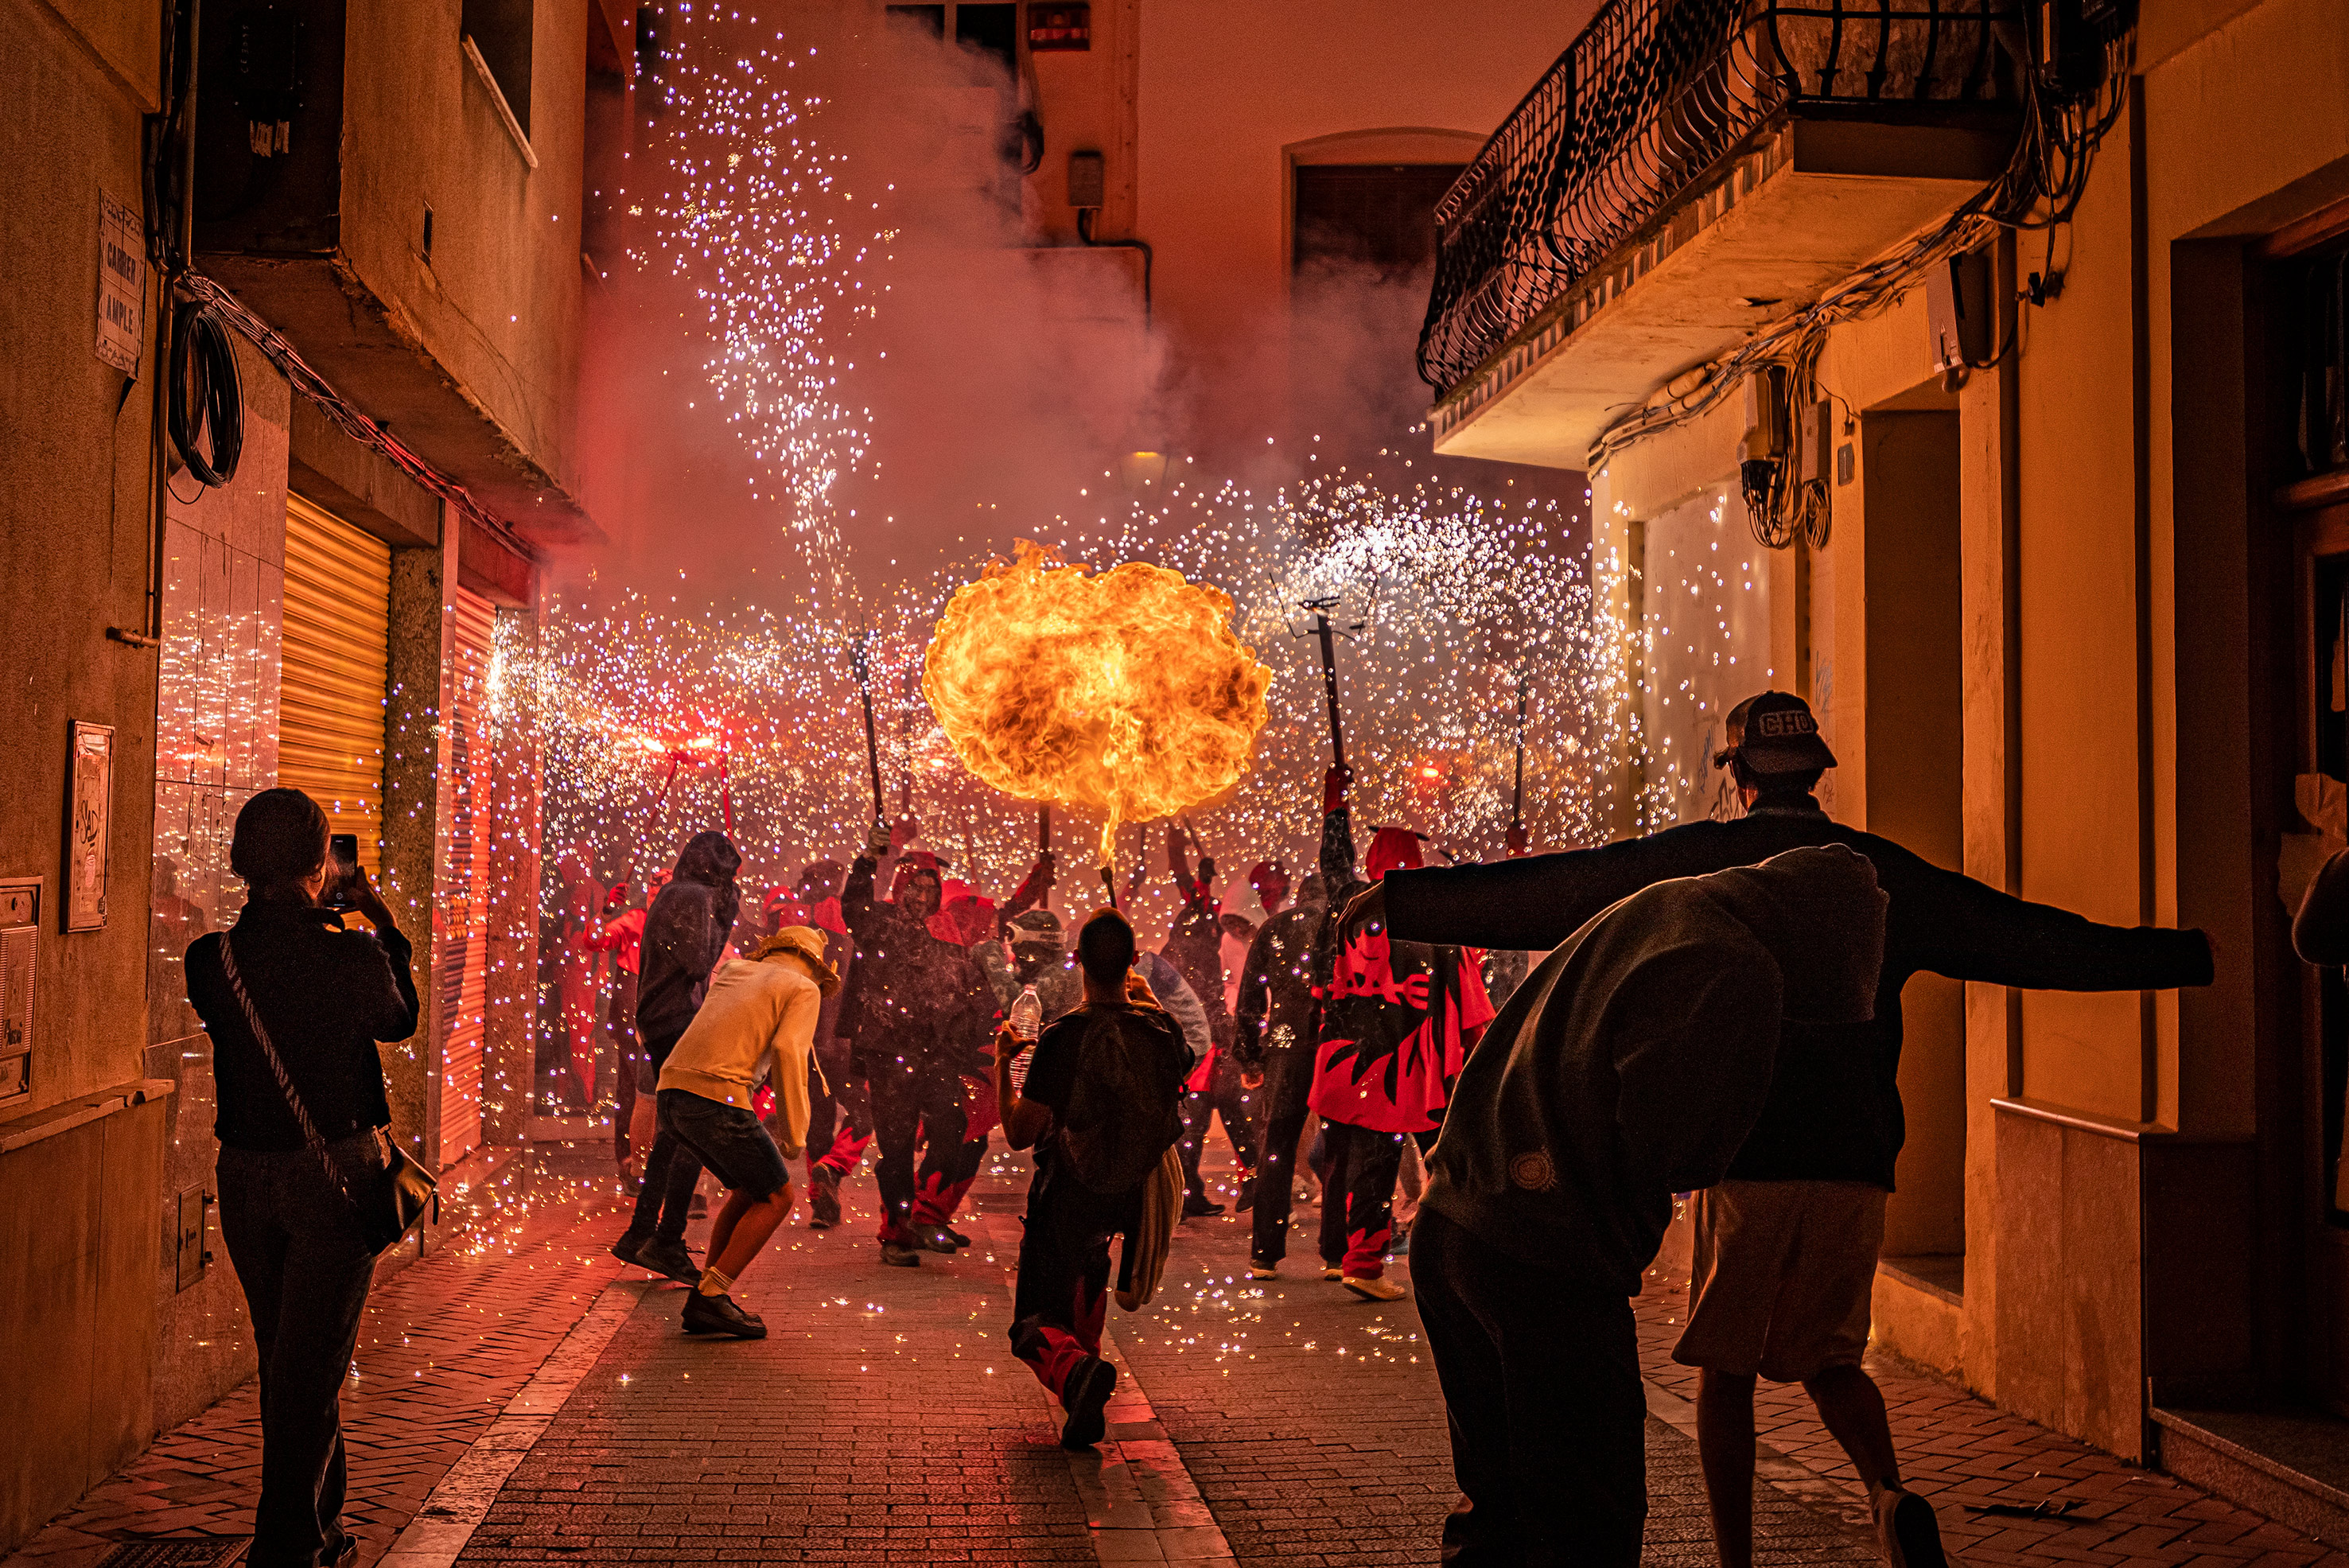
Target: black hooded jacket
{"x": 1830, "y": 1120}
{"x": 911, "y": 994}
{"x": 685, "y": 931}
{"x": 1631, "y": 1065}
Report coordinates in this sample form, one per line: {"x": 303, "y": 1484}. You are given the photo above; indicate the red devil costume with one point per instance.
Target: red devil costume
{"x": 1397, "y": 1020}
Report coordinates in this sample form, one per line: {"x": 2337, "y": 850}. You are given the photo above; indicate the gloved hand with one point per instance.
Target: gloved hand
{"x": 1044, "y": 874}
{"x": 1517, "y": 838}
{"x": 1334, "y": 785}
{"x": 1206, "y": 869}
{"x": 615, "y": 897}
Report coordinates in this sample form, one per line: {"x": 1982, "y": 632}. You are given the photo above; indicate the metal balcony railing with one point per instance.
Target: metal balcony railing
{"x": 1650, "y": 97}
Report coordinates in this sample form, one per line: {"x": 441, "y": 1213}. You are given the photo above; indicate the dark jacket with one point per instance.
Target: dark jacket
{"x": 326, "y": 995}
{"x": 685, "y": 931}
{"x": 1830, "y": 1118}
{"x": 1631, "y": 1065}
{"x": 1277, "y": 1009}
{"x": 911, "y": 994}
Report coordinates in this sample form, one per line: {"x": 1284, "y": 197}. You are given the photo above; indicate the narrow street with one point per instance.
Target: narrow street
{"x": 532, "y": 1402}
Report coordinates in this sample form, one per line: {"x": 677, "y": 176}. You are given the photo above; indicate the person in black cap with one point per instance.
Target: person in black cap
{"x": 1832, "y": 1119}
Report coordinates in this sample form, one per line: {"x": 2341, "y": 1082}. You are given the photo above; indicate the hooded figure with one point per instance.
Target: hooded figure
{"x": 1631, "y": 1065}
{"x": 919, "y": 1008}
{"x": 686, "y": 931}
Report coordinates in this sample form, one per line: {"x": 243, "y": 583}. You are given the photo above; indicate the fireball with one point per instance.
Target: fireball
{"x": 1127, "y": 691}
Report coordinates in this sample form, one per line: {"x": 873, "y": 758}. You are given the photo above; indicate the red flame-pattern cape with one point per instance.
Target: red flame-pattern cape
{"x": 1396, "y": 1018}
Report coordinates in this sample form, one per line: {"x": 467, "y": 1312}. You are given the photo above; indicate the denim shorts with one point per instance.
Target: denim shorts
{"x": 730, "y": 1141}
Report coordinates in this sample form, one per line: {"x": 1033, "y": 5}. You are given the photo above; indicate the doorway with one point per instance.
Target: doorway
{"x": 1915, "y": 743}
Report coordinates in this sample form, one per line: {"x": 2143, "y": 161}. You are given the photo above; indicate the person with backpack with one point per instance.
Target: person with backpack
{"x": 1102, "y": 1107}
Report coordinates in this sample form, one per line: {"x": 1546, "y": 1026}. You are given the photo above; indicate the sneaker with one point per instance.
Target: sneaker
{"x": 1373, "y": 1287}
{"x": 937, "y": 1238}
{"x": 900, "y": 1255}
{"x": 1906, "y": 1529}
{"x": 720, "y": 1314}
{"x": 823, "y": 1203}
{"x": 1199, "y": 1206}
{"x": 1247, "y": 1198}
{"x": 1263, "y": 1271}
{"x": 956, "y": 1237}
{"x": 1082, "y": 1396}
{"x": 672, "y": 1257}
{"x": 627, "y": 1248}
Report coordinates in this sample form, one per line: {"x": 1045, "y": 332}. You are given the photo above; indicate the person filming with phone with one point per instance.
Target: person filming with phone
{"x": 311, "y": 1185}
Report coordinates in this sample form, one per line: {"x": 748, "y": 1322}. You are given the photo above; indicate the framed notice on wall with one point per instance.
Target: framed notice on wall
{"x": 89, "y": 821}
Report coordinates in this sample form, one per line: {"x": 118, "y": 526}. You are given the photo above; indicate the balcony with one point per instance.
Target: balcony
{"x": 1688, "y": 171}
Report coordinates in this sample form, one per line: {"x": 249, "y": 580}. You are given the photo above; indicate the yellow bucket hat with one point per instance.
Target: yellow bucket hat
{"x": 806, "y": 943}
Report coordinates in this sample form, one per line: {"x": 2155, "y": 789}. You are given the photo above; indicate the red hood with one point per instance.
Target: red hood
{"x": 1395, "y": 848}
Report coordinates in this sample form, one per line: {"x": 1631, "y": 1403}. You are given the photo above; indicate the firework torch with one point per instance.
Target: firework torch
{"x": 1044, "y": 843}
{"x": 1516, "y": 838}
{"x": 1328, "y": 636}
{"x": 859, "y": 653}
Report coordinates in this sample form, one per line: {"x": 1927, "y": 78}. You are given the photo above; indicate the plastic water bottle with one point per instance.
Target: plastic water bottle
{"x": 1027, "y": 1023}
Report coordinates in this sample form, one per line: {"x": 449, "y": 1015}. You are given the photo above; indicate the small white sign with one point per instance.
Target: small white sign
{"x": 121, "y": 284}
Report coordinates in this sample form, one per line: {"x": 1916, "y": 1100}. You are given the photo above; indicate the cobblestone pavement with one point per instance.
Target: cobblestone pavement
{"x": 885, "y": 1421}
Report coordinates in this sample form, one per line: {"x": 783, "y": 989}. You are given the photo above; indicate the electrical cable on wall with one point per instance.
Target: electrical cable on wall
{"x": 2065, "y": 119}
{"x": 309, "y": 384}
{"x": 207, "y": 399}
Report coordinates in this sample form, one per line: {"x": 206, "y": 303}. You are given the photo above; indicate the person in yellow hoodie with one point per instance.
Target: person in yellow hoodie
{"x": 759, "y": 1019}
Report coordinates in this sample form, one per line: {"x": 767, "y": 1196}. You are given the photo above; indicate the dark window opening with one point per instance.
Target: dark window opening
{"x": 992, "y": 30}
{"x": 1375, "y": 216}
{"x": 500, "y": 30}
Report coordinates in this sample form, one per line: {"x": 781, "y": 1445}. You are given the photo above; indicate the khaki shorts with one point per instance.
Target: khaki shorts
{"x": 1783, "y": 1275}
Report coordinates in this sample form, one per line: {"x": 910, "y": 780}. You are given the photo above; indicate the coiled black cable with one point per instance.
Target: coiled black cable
{"x": 205, "y": 393}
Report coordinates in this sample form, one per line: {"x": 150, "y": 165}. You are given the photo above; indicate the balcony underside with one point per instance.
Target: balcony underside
{"x": 1769, "y": 233}
{"x": 373, "y": 358}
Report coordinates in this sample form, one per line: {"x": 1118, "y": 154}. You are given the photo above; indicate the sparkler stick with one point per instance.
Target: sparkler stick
{"x": 1518, "y": 800}
{"x": 1044, "y": 842}
{"x": 859, "y": 655}
{"x": 726, "y": 792}
{"x": 1322, "y": 629}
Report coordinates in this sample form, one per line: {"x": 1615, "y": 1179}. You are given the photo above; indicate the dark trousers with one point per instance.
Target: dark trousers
{"x": 1358, "y": 1196}
{"x": 840, "y": 1115}
{"x": 671, "y": 1169}
{"x": 1225, "y": 1097}
{"x": 914, "y": 1097}
{"x": 1541, "y": 1385}
{"x": 1060, "y": 1298}
{"x": 1281, "y": 1104}
{"x": 298, "y": 1253}
{"x": 621, "y": 1024}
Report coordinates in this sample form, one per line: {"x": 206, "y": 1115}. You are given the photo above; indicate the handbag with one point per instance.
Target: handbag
{"x": 408, "y": 1190}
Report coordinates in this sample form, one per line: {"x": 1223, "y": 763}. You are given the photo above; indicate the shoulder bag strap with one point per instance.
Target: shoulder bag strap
{"x": 317, "y": 1144}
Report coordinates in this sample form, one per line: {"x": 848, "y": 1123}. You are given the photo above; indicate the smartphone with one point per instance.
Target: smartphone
{"x": 342, "y": 869}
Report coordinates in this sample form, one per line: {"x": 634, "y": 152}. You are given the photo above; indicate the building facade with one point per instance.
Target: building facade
{"x": 298, "y": 560}
{"x": 2027, "y": 471}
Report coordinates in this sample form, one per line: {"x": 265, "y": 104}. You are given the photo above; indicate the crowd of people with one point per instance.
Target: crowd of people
{"x": 1543, "y": 1054}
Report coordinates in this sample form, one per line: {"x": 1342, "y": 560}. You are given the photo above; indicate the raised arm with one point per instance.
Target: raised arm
{"x": 1535, "y": 902}
{"x": 1970, "y": 931}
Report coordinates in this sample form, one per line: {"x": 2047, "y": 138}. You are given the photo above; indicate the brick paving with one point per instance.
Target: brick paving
{"x": 1313, "y": 1427}
{"x": 446, "y": 1343}
{"x": 1968, "y": 1455}
{"x": 885, "y": 1420}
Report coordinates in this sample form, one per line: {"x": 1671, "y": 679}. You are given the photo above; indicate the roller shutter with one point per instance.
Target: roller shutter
{"x": 465, "y": 882}
{"x": 330, "y": 716}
